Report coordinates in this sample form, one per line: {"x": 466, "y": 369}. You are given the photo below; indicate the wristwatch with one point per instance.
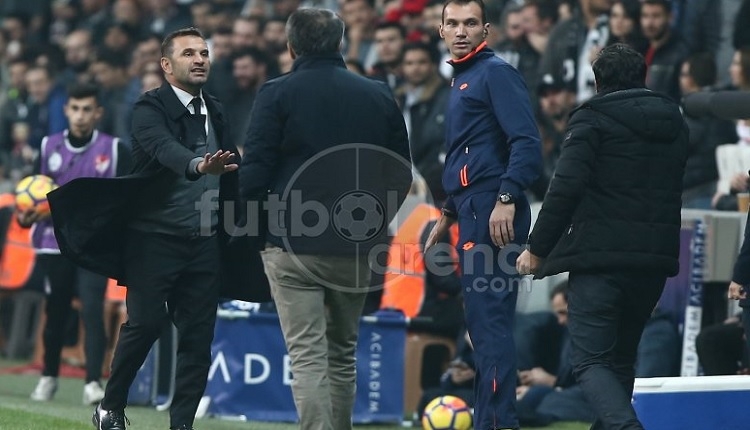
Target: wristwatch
{"x": 505, "y": 198}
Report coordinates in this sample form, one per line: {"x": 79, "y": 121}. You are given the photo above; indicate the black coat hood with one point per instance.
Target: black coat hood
{"x": 648, "y": 114}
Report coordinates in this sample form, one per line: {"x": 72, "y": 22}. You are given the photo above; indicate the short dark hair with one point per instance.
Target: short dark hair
{"x": 666, "y": 4}
{"x": 167, "y": 45}
{"x": 702, "y": 68}
{"x": 545, "y": 9}
{"x": 619, "y": 67}
{"x": 83, "y": 90}
{"x": 258, "y": 56}
{"x": 465, "y": 2}
{"x": 314, "y": 31}
{"x": 431, "y": 51}
{"x": 384, "y": 25}
{"x": 112, "y": 58}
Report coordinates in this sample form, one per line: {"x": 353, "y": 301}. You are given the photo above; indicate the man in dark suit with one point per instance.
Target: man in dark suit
{"x": 328, "y": 151}
{"x": 171, "y": 253}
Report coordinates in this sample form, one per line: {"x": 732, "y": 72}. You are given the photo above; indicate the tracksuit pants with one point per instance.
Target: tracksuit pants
{"x": 490, "y": 286}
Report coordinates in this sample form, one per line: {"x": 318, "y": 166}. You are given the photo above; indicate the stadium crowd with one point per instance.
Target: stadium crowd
{"x": 689, "y": 46}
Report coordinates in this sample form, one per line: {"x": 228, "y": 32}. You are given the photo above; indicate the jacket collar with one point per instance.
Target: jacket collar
{"x": 318, "y": 60}
{"x": 172, "y": 103}
{"x": 463, "y": 63}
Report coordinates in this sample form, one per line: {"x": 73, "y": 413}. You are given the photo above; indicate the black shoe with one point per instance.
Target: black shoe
{"x": 182, "y": 427}
{"x": 109, "y": 420}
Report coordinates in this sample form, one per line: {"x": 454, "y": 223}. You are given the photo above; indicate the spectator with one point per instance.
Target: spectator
{"x": 698, "y": 73}
{"x": 538, "y": 17}
{"x": 166, "y": 16}
{"x": 359, "y": 18}
{"x": 389, "y": 45}
{"x": 274, "y": 35}
{"x": 110, "y": 72}
{"x": 95, "y": 17}
{"x": 557, "y": 100}
{"x": 625, "y": 25}
{"x": 249, "y": 73}
{"x": 129, "y": 14}
{"x": 220, "y": 46}
{"x": 721, "y": 348}
{"x": 666, "y": 50}
{"x": 45, "y": 106}
{"x": 79, "y": 52}
{"x": 515, "y": 47}
{"x": 698, "y": 22}
{"x": 572, "y": 44}
{"x": 423, "y": 98}
{"x": 740, "y": 74}
{"x": 544, "y": 397}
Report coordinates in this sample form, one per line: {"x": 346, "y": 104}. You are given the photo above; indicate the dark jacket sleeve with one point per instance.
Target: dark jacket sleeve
{"x": 448, "y": 284}
{"x": 151, "y": 132}
{"x": 741, "y": 273}
{"x": 512, "y": 108}
{"x": 261, "y": 152}
{"x": 571, "y": 179}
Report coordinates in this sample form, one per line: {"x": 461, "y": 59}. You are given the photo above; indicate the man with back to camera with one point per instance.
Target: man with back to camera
{"x": 323, "y": 137}
{"x": 612, "y": 219}
{"x": 493, "y": 155}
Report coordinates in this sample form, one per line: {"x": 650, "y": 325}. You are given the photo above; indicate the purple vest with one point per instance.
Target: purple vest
{"x": 62, "y": 162}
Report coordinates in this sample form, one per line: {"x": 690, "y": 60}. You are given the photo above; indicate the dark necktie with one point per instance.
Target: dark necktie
{"x": 196, "y": 102}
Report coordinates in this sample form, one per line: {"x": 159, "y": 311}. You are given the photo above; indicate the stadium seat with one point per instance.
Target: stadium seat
{"x": 416, "y": 345}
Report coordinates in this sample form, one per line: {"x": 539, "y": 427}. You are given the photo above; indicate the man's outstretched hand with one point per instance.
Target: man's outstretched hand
{"x": 217, "y": 164}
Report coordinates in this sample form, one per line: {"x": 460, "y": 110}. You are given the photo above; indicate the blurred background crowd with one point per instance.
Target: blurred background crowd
{"x": 689, "y": 45}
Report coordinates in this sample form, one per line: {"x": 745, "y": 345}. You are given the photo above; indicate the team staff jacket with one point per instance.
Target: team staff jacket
{"x": 490, "y": 132}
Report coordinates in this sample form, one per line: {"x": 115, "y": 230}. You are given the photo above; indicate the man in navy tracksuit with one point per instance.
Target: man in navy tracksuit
{"x": 493, "y": 154}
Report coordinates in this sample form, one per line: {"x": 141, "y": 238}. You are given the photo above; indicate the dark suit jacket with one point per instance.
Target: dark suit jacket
{"x": 91, "y": 215}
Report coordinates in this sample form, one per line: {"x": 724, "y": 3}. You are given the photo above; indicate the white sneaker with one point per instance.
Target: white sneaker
{"x": 92, "y": 393}
{"x": 45, "y": 389}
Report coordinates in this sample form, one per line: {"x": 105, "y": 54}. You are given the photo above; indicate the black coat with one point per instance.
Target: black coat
{"x": 91, "y": 215}
{"x": 614, "y": 202}
{"x": 318, "y": 136}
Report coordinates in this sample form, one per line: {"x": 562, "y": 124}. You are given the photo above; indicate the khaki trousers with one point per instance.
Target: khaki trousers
{"x": 319, "y": 300}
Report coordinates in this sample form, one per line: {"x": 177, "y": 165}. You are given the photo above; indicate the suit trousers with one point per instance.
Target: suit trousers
{"x": 606, "y": 316}
{"x": 169, "y": 278}
{"x": 319, "y": 300}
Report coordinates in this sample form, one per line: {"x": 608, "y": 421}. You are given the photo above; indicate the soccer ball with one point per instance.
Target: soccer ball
{"x": 31, "y": 192}
{"x": 358, "y": 216}
{"x": 447, "y": 413}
